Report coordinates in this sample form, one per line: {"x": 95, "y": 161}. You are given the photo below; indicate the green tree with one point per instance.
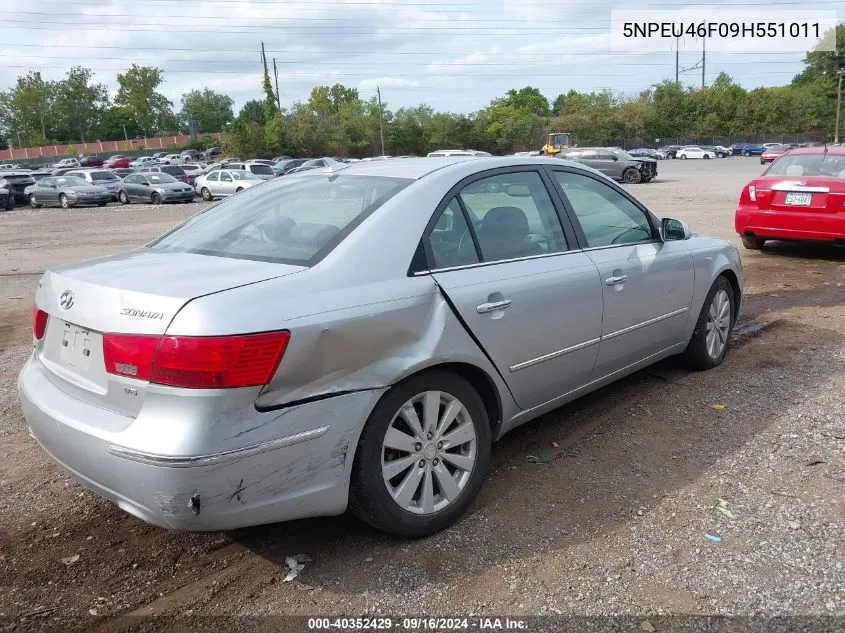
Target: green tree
{"x": 824, "y": 64}
{"x": 79, "y": 105}
{"x": 150, "y": 110}
{"x": 112, "y": 123}
{"x": 27, "y": 110}
{"x": 252, "y": 112}
{"x": 211, "y": 110}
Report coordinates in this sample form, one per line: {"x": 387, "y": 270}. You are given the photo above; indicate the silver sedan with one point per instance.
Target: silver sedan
{"x": 359, "y": 336}
{"x": 221, "y": 183}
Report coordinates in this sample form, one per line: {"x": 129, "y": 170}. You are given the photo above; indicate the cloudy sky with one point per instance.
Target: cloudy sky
{"x": 451, "y": 54}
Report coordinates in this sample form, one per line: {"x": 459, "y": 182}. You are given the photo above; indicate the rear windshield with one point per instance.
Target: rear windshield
{"x": 259, "y": 168}
{"x": 71, "y": 181}
{"x": 827, "y": 165}
{"x": 173, "y": 169}
{"x": 294, "y": 222}
{"x": 103, "y": 175}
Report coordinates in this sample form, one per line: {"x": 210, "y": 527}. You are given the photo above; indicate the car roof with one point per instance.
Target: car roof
{"x": 839, "y": 150}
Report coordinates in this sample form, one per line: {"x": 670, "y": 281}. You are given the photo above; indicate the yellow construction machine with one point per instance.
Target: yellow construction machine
{"x": 558, "y": 141}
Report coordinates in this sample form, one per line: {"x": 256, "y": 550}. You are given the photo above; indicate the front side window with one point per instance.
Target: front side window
{"x": 512, "y": 216}
{"x": 225, "y": 176}
{"x": 71, "y": 181}
{"x": 158, "y": 179}
{"x": 606, "y": 216}
{"x": 292, "y": 222}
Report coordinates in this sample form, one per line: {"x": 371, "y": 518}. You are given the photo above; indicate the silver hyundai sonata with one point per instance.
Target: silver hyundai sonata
{"x": 357, "y": 336}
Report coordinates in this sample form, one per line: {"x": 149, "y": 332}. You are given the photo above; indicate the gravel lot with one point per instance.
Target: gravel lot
{"x": 613, "y": 524}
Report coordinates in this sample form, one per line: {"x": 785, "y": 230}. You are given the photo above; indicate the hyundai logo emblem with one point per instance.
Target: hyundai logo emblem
{"x": 66, "y": 300}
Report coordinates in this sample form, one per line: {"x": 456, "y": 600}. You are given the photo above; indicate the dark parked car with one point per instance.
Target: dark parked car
{"x": 91, "y": 161}
{"x": 192, "y": 171}
{"x": 16, "y": 182}
{"x": 155, "y": 188}
{"x": 286, "y": 166}
{"x": 191, "y": 154}
{"x": 7, "y": 200}
{"x": 66, "y": 192}
{"x": 671, "y": 151}
{"x": 210, "y": 153}
{"x": 616, "y": 163}
{"x": 38, "y": 175}
{"x": 177, "y": 171}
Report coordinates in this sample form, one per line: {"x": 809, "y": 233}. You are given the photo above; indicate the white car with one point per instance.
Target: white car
{"x": 144, "y": 161}
{"x": 442, "y": 153}
{"x": 225, "y": 182}
{"x": 173, "y": 159}
{"x": 693, "y": 151}
{"x": 66, "y": 162}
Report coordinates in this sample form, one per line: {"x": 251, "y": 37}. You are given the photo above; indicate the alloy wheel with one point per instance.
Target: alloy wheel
{"x": 718, "y": 324}
{"x": 429, "y": 452}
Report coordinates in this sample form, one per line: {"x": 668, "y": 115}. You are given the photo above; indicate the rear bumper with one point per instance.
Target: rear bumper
{"x": 792, "y": 225}
{"x": 301, "y": 472}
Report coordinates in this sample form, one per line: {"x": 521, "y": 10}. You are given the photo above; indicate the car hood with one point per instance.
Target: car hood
{"x": 137, "y": 292}
{"x": 170, "y": 186}
{"x": 84, "y": 188}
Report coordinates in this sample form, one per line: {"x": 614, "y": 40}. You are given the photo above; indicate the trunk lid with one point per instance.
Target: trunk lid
{"x": 808, "y": 194}
{"x": 138, "y": 292}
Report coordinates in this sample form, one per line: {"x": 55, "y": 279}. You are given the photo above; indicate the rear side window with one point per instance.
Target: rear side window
{"x": 450, "y": 240}
{"x": 103, "y": 176}
{"x": 294, "y": 222}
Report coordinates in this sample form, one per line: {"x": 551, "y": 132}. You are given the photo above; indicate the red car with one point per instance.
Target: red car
{"x": 801, "y": 196}
{"x": 773, "y": 152}
{"x": 118, "y": 161}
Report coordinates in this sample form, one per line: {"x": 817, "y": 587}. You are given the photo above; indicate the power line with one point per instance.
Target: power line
{"x": 449, "y": 6}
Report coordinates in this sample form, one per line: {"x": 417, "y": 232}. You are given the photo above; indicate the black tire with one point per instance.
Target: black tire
{"x": 752, "y": 243}
{"x": 32, "y": 202}
{"x": 746, "y": 154}
{"x": 10, "y": 202}
{"x": 64, "y": 202}
{"x": 239, "y": 189}
{"x": 123, "y": 198}
{"x": 632, "y": 176}
{"x": 102, "y": 204}
{"x": 155, "y": 198}
{"x": 683, "y": 156}
{"x": 206, "y": 194}
{"x": 707, "y": 157}
{"x": 696, "y": 355}
{"x": 369, "y": 497}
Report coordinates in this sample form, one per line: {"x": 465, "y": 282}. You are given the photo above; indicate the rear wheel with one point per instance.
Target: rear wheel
{"x": 206, "y": 194}
{"x": 752, "y": 243}
{"x": 32, "y": 202}
{"x": 746, "y": 154}
{"x": 124, "y": 199}
{"x": 239, "y": 189}
{"x": 712, "y": 336}
{"x": 64, "y": 202}
{"x": 10, "y": 202}
{"x": 632, "y": 176}
{"x": 155, "y": 198}
{"x": 422, "y": 456}
{"x": 707, "y": 157}
{"x": 683, "y": 156}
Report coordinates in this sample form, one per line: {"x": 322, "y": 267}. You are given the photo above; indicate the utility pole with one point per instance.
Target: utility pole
{"x": 124, "y": 132}
{"x": 677, "y": 59}
{"x": 276, "y": 74}
{"x": 381, "y": 116}
{"x": 703, "y": 60}
{"x": 838, "y": 105}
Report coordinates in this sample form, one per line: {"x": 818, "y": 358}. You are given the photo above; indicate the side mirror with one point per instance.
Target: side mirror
{"x": 615, "y": 158}
{"x": 674, "y": 230}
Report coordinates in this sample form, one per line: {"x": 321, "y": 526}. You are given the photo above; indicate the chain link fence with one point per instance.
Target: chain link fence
{"x": 726, "y": 141}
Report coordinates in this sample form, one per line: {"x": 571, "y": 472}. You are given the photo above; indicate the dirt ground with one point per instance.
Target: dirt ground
{"x": 611, "y": 522}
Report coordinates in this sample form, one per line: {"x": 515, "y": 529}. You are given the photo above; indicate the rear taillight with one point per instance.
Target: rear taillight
{"x": 39, "y": 323}
{"x": 197, "y": 362}
{"x": 752, "y": 193}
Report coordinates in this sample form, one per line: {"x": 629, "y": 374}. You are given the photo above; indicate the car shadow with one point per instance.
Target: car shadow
{"x": 571, "y": 476}
{"x": 805, "y": 250}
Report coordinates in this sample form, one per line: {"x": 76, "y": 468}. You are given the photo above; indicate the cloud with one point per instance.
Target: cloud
{"x": 451, "y": 56}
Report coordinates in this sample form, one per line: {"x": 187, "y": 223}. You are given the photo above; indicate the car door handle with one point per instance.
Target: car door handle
{"x": 484, "y": 308}
{"x": 612, "y": 281}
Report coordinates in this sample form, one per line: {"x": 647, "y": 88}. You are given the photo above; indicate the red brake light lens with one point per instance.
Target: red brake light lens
{"x": 39, "y": 323}
{"x": 197, "y": 362}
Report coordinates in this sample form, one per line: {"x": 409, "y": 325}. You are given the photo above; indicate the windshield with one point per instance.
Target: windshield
{"x": 622, "y": 154}
{"x": 243, "y": 175}
{"x": 827, "y": 165}
{"x": 103, "y": 176}
{"x": 161, "y": 178}
{"x": 71, "y": 181}
{"x": 192, "y": 168}
{"x": 297, "y": 222}
{"x": 262, "y": 169}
